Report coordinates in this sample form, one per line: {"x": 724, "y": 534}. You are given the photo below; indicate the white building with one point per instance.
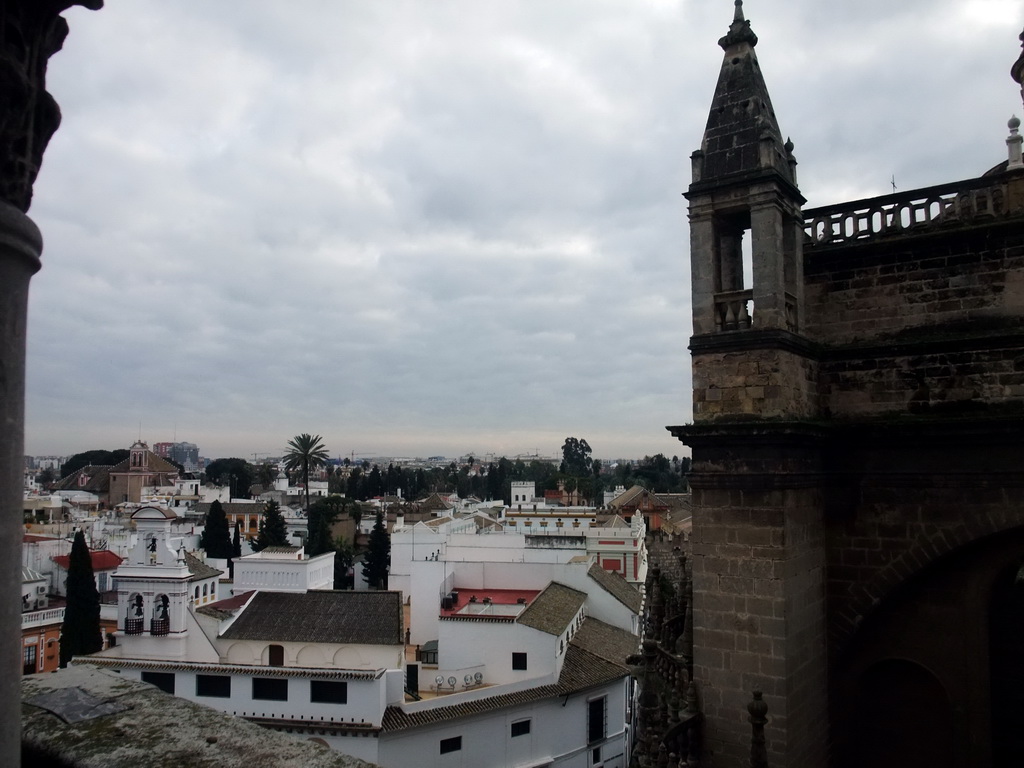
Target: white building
{"x": 541, "y": 681}
{"x": 283, "y": 569}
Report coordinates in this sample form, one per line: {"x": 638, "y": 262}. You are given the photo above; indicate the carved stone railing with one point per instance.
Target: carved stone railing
{"x": 734, "y": 310}
{"x": 956, "y": 203}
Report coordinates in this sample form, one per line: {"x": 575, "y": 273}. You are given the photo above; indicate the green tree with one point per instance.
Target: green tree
{"x": 46, "y": 477}
{"x": 575, "y": 457}
{"x": 266, "y": 474}
{"x": 236, "y": 541}
{"x": 378, "y": 556}
{"x": 98, "y": 457}
{"x": 236, "y": 473}
{"x": 344, "y": 559}
{"x": 273, "y": 531}
{"x": 81, "y": 633}
{"x": 216, "y": 538}
{"x": 305, "y": 452}
{"x": 319, "y": 519}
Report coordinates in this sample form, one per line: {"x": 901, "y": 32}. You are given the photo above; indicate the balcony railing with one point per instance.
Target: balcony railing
{"x": 41, "y": 618}
{"x": 160, "y": 627}
{"x": 955, "y": 203}
{"x": 133, "y": 626}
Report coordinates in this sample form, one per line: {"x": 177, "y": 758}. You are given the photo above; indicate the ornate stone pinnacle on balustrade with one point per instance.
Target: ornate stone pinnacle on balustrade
{"x": 739, "y": 30}
{"x": 1014, "y": 143}
{"x": 1017, "y": 70}
{"x": 758, "y": 710}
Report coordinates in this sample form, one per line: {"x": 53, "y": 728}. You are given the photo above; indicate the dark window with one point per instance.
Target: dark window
{"x": 595, "y": 720}
{"x": 276, "y": 656}
{"x": 162, "y": 680}
{"x": 454, "y": 744}
{"x": 518, "y": 661}
{"x": 595, "y": 755}
{"x": 213, "y": 685}
{"x": 270, "y": 688}
{"x": 28, "y": 666}
{"x": 328, "y": 692}
{"x": 521, "y": 728}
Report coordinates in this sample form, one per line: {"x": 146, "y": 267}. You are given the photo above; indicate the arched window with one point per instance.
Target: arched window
{"x": 275, "y": 656}
{"x": 197, "y": 592}
{"x": 134, "y": 618}
{"x": 161, "y": 623}
{"x": 204, "y": 590}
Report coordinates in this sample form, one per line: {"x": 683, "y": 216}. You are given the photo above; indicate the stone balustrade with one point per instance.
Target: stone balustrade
{"x": 41, "y": 618}
{"x": 956, "y": 203}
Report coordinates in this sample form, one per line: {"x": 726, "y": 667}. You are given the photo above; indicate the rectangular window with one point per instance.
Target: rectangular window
{"x": 213, "y": 685}
{"x": 162, "y": 680}
{"x": 520, "y": 728}
{"x": 454, "y": 744}
{"x": 29, "y": 660}
{"x": 518, "y": 660}
{"x": 328, "y": 692}
{"x": 595, "y": 720}
{"x": 270, "y": 688}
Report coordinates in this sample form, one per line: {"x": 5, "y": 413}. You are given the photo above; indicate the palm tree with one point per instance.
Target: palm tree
{"x": 305, "y": 452}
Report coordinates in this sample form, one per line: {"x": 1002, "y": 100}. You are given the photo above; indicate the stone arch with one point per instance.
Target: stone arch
{"x": 904, "y": 717}
{"x": 926, "y": 549}
{"x": 311, "y": 656}
{"x": 241, "y": 653}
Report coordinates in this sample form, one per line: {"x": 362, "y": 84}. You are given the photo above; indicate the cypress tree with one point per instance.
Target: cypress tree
{"x": 378, "y": 556}
{"x": 273, "y": 531}
{"x": 81, "y": 633}
{"x": 216, "y": 539}
{"x": 236, "y": 542}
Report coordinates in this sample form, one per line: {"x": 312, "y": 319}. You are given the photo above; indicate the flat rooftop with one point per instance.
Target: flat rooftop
{"x": 484, "y": 603}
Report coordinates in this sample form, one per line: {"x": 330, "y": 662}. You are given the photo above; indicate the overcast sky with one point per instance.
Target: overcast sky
{"x": 439, "y": 227}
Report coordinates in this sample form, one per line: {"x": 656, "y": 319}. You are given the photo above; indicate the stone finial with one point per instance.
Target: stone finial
{"x": 33, "y": 32}
{"x": 739, "y": 30}
{"x": 758, "y": 710}
{"x": 1014, "y": 144}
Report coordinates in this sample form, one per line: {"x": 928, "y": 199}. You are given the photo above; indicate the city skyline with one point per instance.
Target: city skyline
{"x": 438, "y": 229}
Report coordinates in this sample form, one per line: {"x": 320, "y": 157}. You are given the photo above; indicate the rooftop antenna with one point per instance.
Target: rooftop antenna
{"x": 893, "y": 182}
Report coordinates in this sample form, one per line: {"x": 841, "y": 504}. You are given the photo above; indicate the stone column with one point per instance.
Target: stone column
{"x": 20, "y": 248}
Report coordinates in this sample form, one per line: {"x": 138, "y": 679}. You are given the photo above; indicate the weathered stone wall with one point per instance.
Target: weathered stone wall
{"x": 767, "y": 383}
{"x": 942, "y": 278}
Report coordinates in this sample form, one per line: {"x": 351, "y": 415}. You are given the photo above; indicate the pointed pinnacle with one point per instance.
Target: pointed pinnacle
{"x": 738, "y": 15}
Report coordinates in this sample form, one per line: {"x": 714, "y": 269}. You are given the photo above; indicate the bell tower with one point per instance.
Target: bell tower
{"x": 758, "y": 541}
{"x": 153, "y": 589}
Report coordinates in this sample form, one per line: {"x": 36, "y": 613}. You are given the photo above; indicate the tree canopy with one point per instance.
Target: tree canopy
{"x": 97, "y": 457}
{"x": 319, "y": 519}
{"x": 237, "y": 473}
{"x": 305, "y": 452}
{"x": 378, "y": 556}
{"x": 575, "y": 457}
{"x": 273, "y": 530}
{"x": 81, "y": 633}
{"x": 216, "y": 536}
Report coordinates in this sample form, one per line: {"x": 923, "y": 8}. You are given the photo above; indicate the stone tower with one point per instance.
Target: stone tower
{"x": 758, "y": 622}
{"x": 858, "y": 411}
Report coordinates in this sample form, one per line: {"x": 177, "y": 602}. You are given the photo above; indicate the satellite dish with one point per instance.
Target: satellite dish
{"x": 452, "y": 681}
{"x": 439, "y": 679}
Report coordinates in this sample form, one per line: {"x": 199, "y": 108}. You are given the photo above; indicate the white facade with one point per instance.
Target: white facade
{"x": 283, "y": 569}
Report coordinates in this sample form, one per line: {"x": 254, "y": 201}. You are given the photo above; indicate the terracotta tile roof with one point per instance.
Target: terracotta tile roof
{"x": 359, "y": 618}
{"x": 618, "y": 587}
{"x": 199, "y": 569}
{"x": 32, "y": 538}
{"x": 103, "y": 560}
{"x": 581, "y": 670}
{"x": 99, "y": 479}
{"x": 610, "y": 643}
{"x": 553, "y": 609}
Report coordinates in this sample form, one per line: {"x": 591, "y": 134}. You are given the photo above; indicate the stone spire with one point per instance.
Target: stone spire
{"x": 1017, "y": 70}
{"x": 742, "y": 137}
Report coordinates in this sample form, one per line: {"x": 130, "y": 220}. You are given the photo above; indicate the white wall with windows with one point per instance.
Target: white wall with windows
{"x": 551, "y": 732}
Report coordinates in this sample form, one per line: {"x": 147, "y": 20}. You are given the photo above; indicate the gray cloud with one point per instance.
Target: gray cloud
{"x": 438, "y": 227}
